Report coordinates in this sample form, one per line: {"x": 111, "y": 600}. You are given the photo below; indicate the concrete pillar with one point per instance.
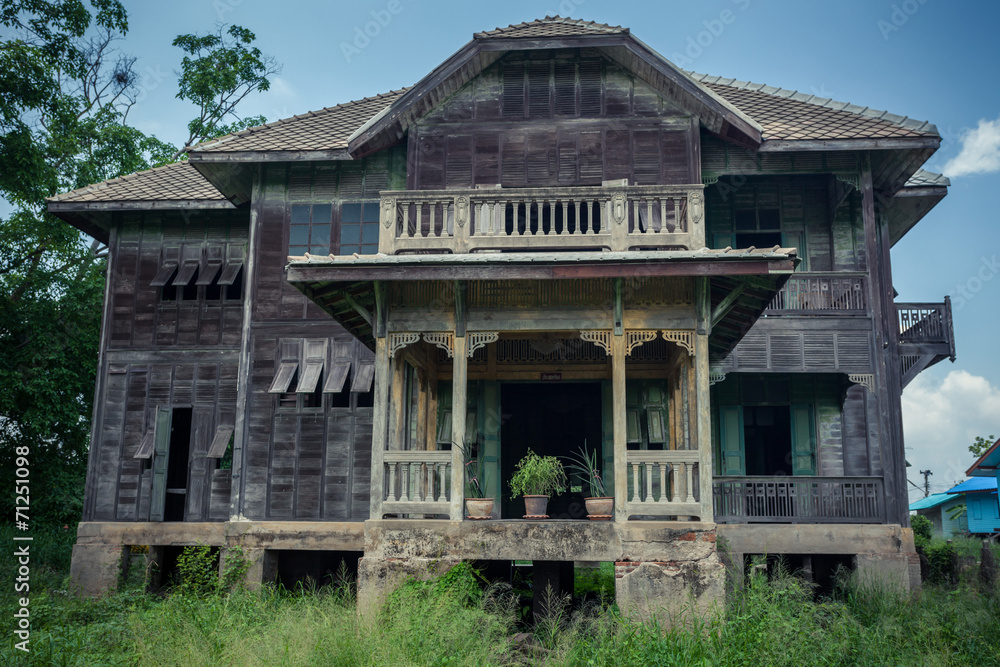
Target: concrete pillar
{"x": 379, "y": 577}
{"x": 96, "y": 568}
{"x": 894, "y": 572}
{"x": 672, "y": 592}
{"x": 263, "y": 567}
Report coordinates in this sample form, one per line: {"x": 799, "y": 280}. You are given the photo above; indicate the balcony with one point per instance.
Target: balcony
{"x": 615, "y": 218}
{"x": 821, "y": 293}
{"x": 926, "y": 336}
{"x": 798, "y": 499}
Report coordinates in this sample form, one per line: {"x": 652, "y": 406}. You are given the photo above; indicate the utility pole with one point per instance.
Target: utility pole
{"x": 927, "y": 483}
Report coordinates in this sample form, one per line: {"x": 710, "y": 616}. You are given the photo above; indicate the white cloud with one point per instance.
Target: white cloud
{"x": 941, "y": 418}
{"x": 980, "y": 152}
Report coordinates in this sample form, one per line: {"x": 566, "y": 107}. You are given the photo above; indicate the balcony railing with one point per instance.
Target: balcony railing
{"x": 663, "y": 482}
{"x": 798, "y": 499}
{"x": 417, "y": 482}
{"x": 821, "y": 292}
{"x": 613, "y": 218}
{"x": 925, "y": 322}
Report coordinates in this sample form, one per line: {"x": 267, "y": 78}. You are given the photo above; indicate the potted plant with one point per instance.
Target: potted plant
{"x": 536, "y": 478}
{"x": 477, "y": 504}
{"x": 583, "y": 464}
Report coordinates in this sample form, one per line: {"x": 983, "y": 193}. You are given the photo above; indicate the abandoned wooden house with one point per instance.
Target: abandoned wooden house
{"x": 557, "y": 238}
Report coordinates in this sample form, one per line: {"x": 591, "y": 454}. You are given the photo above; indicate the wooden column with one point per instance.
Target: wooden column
{"x": 459, "y": 389}
{"x": 703, "y": 425}
{"x": 618, "y": 419}
{"x": 397, "y": 404}
{"x": 380, "y": 424}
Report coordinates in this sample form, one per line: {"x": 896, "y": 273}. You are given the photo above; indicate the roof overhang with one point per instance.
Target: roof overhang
{"x": 344, "y": 287}
{"x": 988, "y": 464}
{"x": 94, "y": 218}
{"x": 717, "y": 115}
{"x": 908, "y": 207}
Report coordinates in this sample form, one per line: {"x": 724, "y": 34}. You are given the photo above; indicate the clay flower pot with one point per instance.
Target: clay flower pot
{"x": 479, "y": 508}
{"x": 535, "y": 506}
{"x": 600, "y": 508}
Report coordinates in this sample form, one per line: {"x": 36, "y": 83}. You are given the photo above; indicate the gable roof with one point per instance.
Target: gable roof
{"x": 988, "y": 463}
{"x": 552, "y": 26}
{"x": 170, "y": 184}
{"x": 788, "y": 115}
{"x": 976, "y": 484}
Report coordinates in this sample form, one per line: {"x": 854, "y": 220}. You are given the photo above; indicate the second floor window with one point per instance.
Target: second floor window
{"x": 359, "y": 228}
{"x": 321, "y": 229}
{"x": 310, "y": 229}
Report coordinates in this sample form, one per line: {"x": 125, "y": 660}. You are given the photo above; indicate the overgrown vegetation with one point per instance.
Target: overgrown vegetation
{"x": 459, "y": 619}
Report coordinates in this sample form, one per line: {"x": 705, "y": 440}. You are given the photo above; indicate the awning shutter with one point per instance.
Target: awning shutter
{"x": 171, "y": 260}
{"x": 211, "y": 266}
{"x": 315, "y": 359}
{"x": 190, "y": 261}
{"x": 146, "y": 446}
{"x": 234, "y": 262}
{"x": 336, "y": 376}
{"x": 365, "y": 373}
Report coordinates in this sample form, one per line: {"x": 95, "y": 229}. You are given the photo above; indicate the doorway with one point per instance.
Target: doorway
{"x": 177, "y": 464}
{"x": 552, "y": 419}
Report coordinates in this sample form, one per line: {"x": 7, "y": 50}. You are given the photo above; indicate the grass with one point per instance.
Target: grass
{"x": 458, "y": 620}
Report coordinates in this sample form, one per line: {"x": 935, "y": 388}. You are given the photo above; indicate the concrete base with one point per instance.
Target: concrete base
{"x": 97, "y": 568}
{"x": 672, "y": 593}
{"x": 379, "y": 577}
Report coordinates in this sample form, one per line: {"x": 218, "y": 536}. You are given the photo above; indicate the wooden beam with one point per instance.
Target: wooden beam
{"x": 381, "y": 309}
{"x": 361, "y": 310}
{"x": 727, "y": 303}
{"x": 619, "y": 423}
{"x": 703, "y": 426}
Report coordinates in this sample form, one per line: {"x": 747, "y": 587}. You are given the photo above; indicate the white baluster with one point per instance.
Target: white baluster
{"x": 649, "y": 483}
{"x": 392, "y": 482}
{"x": 663, "y": 482}
{"x": 636, "y": 489}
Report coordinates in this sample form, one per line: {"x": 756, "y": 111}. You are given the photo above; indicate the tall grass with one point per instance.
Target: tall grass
{"x": 459, "y": 620}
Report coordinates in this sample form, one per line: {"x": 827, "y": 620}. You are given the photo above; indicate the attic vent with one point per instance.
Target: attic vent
{"x": 513, "y": 90}
{"x": 590, "y": 88}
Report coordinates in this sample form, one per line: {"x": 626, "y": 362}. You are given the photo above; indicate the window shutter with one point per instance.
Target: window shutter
{"x": 171, "y": 260}
{"x": 633, "y": 433}
{"x": 458, "y": 153}
{"x": 234, "y": 262}
{"x": 161, "y": 451}
{"x": 288, "y": 364}
{"x": 513, "y": 90}
{"x": 731, "y": 439}
{"x": 363, "y": 379}
{"x": 220, "y": 443}
{"x": 190, "y": 261}
{"x": 803, "y": 440}
{"x": 314, "y": 358}
{"x": 538, "y": 89}
{"x": 211, "y": 265}
{"x": 564, "y": 76}
{"x": 590, "y": 88}
{"x": 146, "y": 446}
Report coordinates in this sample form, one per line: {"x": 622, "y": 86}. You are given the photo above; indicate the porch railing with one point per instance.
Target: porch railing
{"x": 821, "y": 292}
{"x": 417, "y": 482}
{"x": 798, "y": 499}
{"x": 663, "y": 482}
{"x": 613, "y": 218}
{"x": 925, "y": 322}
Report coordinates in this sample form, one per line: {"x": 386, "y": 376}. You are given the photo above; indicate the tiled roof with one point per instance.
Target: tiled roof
{"x": 926, "y": 179}
{"x": 791, "y": 115}
{"x": 323, "y": 130}
{"x": 173, "y": 182}
{"x": 553, "y": 26}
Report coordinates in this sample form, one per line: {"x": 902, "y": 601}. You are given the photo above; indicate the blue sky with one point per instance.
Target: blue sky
{"x": 927, "y": 59}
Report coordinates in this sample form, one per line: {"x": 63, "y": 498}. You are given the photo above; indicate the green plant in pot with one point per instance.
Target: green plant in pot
{"x": 477, "y": 504}
{"x": 536, "y": 478}
{"x": 584, "y": 466}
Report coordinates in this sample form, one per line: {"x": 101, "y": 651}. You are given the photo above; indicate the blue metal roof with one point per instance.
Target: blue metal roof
{"x": 974, "y": 484}
{"x": 931, "y": 501}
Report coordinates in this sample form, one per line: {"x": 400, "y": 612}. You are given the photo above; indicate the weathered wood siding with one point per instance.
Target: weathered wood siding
{"x": 551, "y": 119}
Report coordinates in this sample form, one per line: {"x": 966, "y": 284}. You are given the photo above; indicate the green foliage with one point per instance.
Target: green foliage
{"x": 538, "y": 476}
{"x": 218, "y": 71}
{"x": 584, "y": 466}
{"x": 981, "y": 444}
{"x": 923, "y": 529}
{"x": 941, "y": 562}
{"x": 476, "y": 477}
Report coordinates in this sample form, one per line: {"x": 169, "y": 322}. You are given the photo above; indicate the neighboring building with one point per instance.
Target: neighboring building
{"x": 556, "y": 237}
{"x": 937, "y": 507}
{"x": 982, "y": 508}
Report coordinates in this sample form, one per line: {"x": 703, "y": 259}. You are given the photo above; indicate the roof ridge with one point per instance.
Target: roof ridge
{"x": 211, "y": 143}
{"x": 547, "y": 20}
{"x": 904, "y": 122}
{"x": 102, "y": 185}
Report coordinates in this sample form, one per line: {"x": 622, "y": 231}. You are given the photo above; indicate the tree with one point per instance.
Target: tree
{"x": 65, "y": 95}
{"x": 981, "y": 444}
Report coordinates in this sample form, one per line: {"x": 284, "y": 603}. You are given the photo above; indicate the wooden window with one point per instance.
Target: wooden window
{"x": 194, "y": 272}
{"x": 309, "y": 229}
{"x": 359, "y": 228}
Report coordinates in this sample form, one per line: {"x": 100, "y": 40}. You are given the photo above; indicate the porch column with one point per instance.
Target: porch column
{"x": 380, "y": 424}
{"x": 618, "y": 421}
{"x": 459, "y": 389}
{"x": 703, "y": 425}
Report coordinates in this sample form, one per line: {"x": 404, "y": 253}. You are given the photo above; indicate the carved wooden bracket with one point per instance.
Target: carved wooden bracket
{"x": 866, "y": 380}
{"x": 683, "y": 338}
{"x": 446, "y": 341}
{"x": 618, "y": 209}
{"x": 851, "y": 178}
{"x": 398, "y": 341}
{"x": 634, "y": 339}
{"x": 388, "y": 211}
{"x": 715, "y": 378}
{"x": 600, "y": 338}
{"x": 461, "y": 210}
{"x": 481, "y": 339}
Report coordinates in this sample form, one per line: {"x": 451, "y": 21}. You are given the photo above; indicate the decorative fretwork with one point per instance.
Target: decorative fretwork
{"x": 444, "y": 340}
{"x": 431, "y": 295}
{"x": 709, "y": 178}
{"x": 715, "y": 377}
{"x": 658, "y": 291}
{"x": 541, "y": 294}
{"x": 634, "y": 339}
{"x": 481, "y": 339}
{"x": 866, "y": 380}
{"x": 600, "y": 338}
{"x": 683, "y": 338}
{"x": 851, "y": 178}
{"x": 398, "y": 341}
